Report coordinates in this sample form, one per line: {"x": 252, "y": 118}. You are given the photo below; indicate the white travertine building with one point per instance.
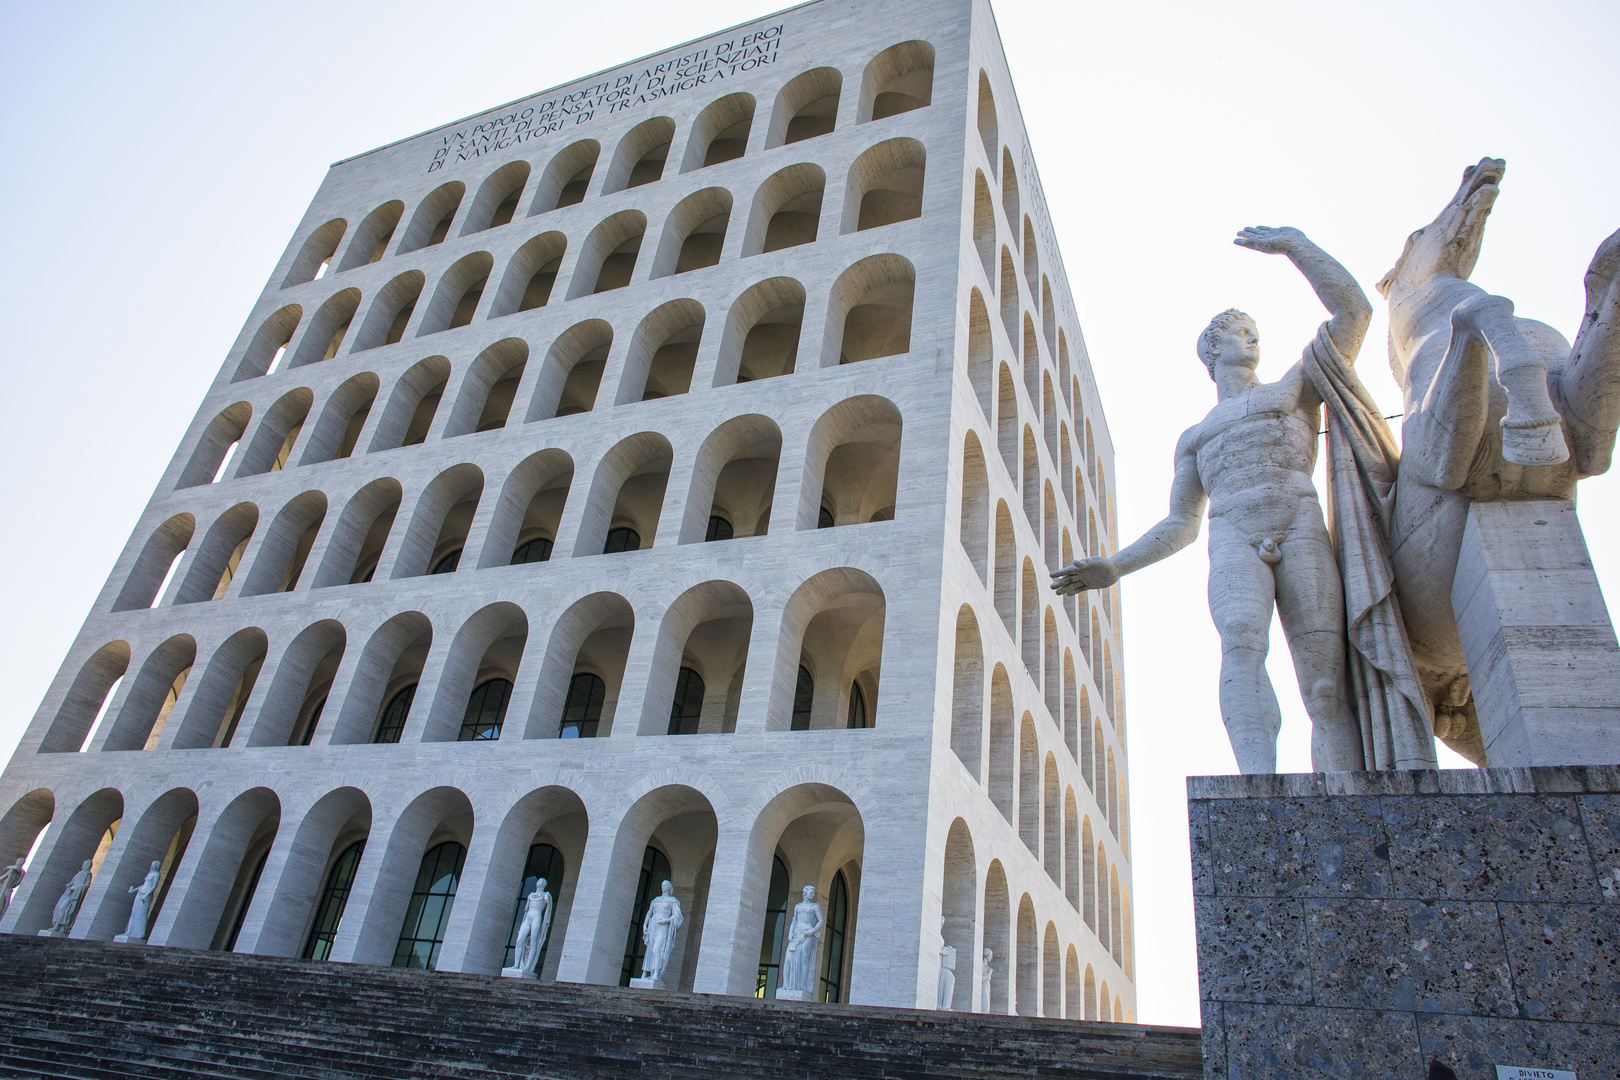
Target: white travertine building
{"x": 656, "y": 477}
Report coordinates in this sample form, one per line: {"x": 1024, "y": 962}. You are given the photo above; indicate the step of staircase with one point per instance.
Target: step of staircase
{"x": 85, "y": 1009}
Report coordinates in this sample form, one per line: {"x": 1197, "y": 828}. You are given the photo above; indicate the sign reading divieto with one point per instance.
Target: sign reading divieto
{"x": 612, "y": 94}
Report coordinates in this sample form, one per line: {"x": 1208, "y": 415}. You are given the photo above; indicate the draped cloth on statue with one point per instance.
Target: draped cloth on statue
{"x": 1391, "y": 707}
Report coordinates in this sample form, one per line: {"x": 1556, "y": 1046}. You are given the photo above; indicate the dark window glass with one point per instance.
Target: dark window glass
{"x": 583, "y": 709}
{"x": 770, "y": 946}
{"x": 824, "y": 520}
{"x": 429, "y": 910}
{"x": 688, "y": 704}
{"x": 365, "y": 577}
{"x": 536, "y": 550}
{"x": 334, "y": 897}
{"x": 803, "y": 695}
{"x": 857, "y": 707}
{"x": 837, "y": 932}
{"x": 486, "y": 709}
{"x": 654, "y": 872}
{"x": 314, "y": 718}
{"x": 247, "y": 900}
{"x": 621, "y": 539}
{"x": 719, "y": 529}
{"x": 448, "y": 564}
{"x": 392, "y": 722}
{"x": 546, "y": 862}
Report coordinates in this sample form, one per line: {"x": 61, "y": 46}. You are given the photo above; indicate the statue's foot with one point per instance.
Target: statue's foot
{"x": 1537, "y": 442}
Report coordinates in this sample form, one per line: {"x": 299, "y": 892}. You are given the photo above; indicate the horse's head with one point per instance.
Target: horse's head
{"x": 1450, "y": 243}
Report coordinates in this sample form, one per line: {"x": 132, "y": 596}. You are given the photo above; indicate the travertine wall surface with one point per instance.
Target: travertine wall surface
{"x": 286, "y": 558}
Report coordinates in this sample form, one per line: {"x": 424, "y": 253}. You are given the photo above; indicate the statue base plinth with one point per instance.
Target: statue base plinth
{"x": 127, "y": 940}
{"x": 648, "y": 984}
{"x": 50, "y": 933}
{"x": 517, "y": 973}
{"x": 794, "y": 995}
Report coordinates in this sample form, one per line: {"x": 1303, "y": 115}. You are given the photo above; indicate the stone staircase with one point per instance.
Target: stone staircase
{"x": 86, "y": 1009}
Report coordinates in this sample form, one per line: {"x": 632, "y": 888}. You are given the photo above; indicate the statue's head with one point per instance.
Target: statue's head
{"x": 1230, "y": 337}
{"x": 1449, "y": 245}
{"x": 809, "y": 892}
{"x": 988, "y": 955}
{"x": 667, "y": 888}
{"x": 539, "y": 886}
{"x": 86, "y": 865}
{"x": 156, "y": 865}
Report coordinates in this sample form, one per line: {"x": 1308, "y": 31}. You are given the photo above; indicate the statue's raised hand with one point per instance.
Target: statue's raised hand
{"x": 1272, "y": 241}
{"x": 1084, "y": 575}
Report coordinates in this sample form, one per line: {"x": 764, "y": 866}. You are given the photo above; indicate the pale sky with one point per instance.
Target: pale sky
{"x": 163, "y": 153}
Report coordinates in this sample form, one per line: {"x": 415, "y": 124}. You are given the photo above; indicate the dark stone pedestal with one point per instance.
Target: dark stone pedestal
{"x": 1367, "y": 925}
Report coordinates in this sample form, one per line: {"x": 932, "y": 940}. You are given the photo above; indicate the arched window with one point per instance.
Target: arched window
{"x": 246, "y": 901}
{"x": 857, "y": 707}
{"x": 687, "y": 707}
{"x": 654, "y": 872}
{"x": 429, "y": 911}
{"x": 824, "y": 519}
{"x": 770, "y": 945}
{"x": 314, "y": 719}
{"x": 546, "y": 862}
{"x": 486, "y": 710}
{"x": 536, "y": 550}
{"x": 582, "y": 710}
{"x": 448, "y": 564}
{"x": 832, "y": 963}
{"x": 334, "y": 897}
{"x": 621, "y": 539}
{"x": 391, "y": 724}
{"x": 719, "y": 529}
{"x": 803, "y": 697}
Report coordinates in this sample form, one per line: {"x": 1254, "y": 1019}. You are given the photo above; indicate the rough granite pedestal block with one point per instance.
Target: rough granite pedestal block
{"x": 1360, "y": 926}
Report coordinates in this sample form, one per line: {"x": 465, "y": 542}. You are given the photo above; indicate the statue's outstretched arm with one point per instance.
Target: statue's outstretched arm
{"x": 1178, "y": 529}
{"x": 1340, "y": 294}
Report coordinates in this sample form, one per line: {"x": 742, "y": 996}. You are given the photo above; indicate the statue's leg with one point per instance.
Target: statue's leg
{"x": 1532, "y": 431}
{"x": 1241, "y": 599}
{"x": 1445, "y": 433}
{"x": 1590, "y": 382}
{"x": 1310, "y": 602}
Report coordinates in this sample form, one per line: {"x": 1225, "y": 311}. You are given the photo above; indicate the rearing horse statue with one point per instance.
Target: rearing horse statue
{"x": 1497, "y": 407}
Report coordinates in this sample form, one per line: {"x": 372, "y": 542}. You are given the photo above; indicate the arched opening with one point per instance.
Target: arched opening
{"x": 220, "y": 887}
{"x": 1116, "y": 937}
{"x": 640, "y": 156}
{"x": 720, "y": 132}
{"x": 1009, "y": 189}
{"x": 1048, "y": 317}
{"x": 431, "y": 222}
{"x": 86, "y": 700}
{"x": 627, "y": 493}
{"x": 1051, "y": 823}
{"x": 987, "y": 121}
{"x": 807, "y": 106}
{"x": 959, "y": 914}
{"x": 479, "y": 672}
{"x": 787, "y": 210}
{"x": 390, "y": 312}
{"x": 412, "y": 405}
{"x": 1051, "y": 973}
{"x": 1112, "y": 776}
{"x": 296, "y": 697}
{"x": 221, "y": 697}
{"x": 1051, "y": 682}
{"x": 980, "y": 364}
{"x": 21, "y": 831}
{"x": 694, "y": 685}
{"x": 360, "y": 535}
{"x": 608, "y": 258}
{"x": 694, "y": 233}
{"x": 832, "y": 626}
{"x": 1009, "y": 297}
{"x": 998, "y": 938}
{"x": 1032, "y": 257}
{"x": 1032, "y": 362}
{"x": 734, "y": 480}
{"x": 1071, "y": 986}
{"x": 530, "y": 275}
{"x": 566, "y": 177}
{"x": 458, "y": 294}
{"x": 81, "y": 843}
{"x": 326, "y": 332}
{"x": 852, "y": 464}
{"x": 577, "y": 693}
{"x": 523, "y": 528}
{"x": 337, "y": 429}
{"x": 974, "y": 531}
{"x": 1130, "y": 948}
{"x": 1032, "y": 482}
{"x": 761, "y": 339}
{"x": 488, "y": 389}
{"x": 1104, "y": 935}
{"x": 572, "y": 372}
{"x": 885, "y": 185}
{"x": 433, "y": 896}
{"x": 1029, "y": 786}
{"x": 1007, "y": 422}
{"x": 776, "y": 926}
{"x": 1003, "y": 750}
{"x": 1004, "y": 583}
{"x": 1071, "y": 737}
{"x": 1071, "y": 848}
{"x": 218, "y": 556}
{"x": 216, "y": 446}
{"x": 315, "y": 257}
{"x": 377, "y": 703}
{"x": 370, "y": 241}
{"x": 304, "y": 902}
{"x": 161, "y": 837}
{"x": 984, "y": 227}
{"x": 1091, "y": 994}
{"x": 286, "y": 546}
{"x": 145, "y": 711}
{"x": 1029, "y": 631}
{"x": 439, "y": 524}
{"x": 1028, "y": 960}
{"x": 497, "y": 198}
{"x": 663, "y": 353}
{"x": 155, "y": 565}
{"x": 967, "y": 693}
{"x": 869, "y": 311}
{"x": 269, "y": 345}
{"x": 899, "y": 79}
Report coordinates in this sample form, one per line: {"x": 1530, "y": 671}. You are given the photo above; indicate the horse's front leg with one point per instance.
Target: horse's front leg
{"x": 1450, "y": 422}
{"x": 1590, "y": 383}
{"x": 1531, "y": 430}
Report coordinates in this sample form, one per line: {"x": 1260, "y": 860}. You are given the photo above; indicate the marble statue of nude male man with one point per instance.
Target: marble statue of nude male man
{"x": 1251, "y": 460}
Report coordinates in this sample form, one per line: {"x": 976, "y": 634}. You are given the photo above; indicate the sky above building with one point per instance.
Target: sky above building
{"x": 163, "y": 153}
